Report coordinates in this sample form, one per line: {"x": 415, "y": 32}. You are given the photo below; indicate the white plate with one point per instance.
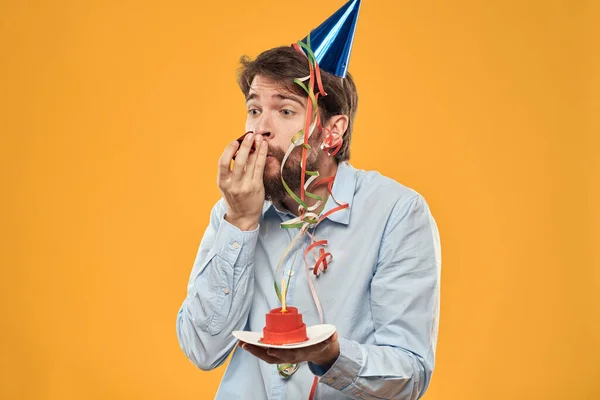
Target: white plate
{"x": 316, "y": 334}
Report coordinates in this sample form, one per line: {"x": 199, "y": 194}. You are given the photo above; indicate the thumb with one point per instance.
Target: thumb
{"x": 332, "y": 338}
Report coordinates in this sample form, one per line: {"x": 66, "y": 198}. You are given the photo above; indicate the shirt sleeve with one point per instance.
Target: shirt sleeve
{"x": 405, "y": 293}
{"x": 220, "y": 283}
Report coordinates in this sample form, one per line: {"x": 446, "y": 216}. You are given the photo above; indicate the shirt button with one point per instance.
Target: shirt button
{"x": 235, "y": 245}
{"x": 330, "y": 381}
{"x": 226, "y": 290}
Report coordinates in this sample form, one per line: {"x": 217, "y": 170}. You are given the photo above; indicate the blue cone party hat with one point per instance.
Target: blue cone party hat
{"x": 331, "y": 42}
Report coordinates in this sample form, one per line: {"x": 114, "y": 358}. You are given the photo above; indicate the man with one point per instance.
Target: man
{"x": 381, "y": 291}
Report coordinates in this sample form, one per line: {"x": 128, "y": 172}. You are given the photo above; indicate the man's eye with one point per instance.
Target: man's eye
{"x": 253, "y": 111}
{"x": 287, "y": 112}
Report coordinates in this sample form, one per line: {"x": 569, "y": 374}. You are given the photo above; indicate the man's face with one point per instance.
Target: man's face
{"x": 278, "y": 115}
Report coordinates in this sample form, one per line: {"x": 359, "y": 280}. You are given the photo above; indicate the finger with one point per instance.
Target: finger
{"x": 242, "y": 155}
{"x": 225, "y": 160}
{"x": 287, "y": 355}
{"x": 261, "y": 353}
{"x": 251, "y": 164}
{"x": 324, "y": 345}
{"x": 240, "y": 140}
{"x": 320, "y": 347}
{"x": 304, "y": 353}
{"x": 252, "y": 157}
{"x": 261, "y": 160}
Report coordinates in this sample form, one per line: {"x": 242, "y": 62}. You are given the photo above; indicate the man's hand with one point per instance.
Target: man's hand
{"x": 243, "y": 188}
{"x": 323, "y": 354}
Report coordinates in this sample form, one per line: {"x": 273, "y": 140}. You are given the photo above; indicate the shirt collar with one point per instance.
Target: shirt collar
{"x": 343, "y": 190}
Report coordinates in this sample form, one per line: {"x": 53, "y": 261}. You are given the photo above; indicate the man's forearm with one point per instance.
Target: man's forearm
{"x": 219, "y": 292}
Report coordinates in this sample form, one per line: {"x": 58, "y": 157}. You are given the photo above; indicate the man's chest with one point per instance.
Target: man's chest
{"x": 343, "y": 289}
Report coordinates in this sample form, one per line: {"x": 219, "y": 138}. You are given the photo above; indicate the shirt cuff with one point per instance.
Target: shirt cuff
{"x": 234, "y": 245}
{"x": 345, "y": 369}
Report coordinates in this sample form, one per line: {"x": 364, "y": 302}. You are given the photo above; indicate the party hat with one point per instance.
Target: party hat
{"x": 331, "y": 42}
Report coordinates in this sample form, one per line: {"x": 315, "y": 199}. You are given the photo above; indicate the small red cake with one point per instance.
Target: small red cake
{"x": 284, "y": 327}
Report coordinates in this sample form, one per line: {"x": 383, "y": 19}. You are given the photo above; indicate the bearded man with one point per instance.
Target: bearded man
{"x": 381, "y": 290}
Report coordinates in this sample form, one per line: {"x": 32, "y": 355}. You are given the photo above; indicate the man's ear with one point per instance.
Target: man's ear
{"x": 338, "y": 124}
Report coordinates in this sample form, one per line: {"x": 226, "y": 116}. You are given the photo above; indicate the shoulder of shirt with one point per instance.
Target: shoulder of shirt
{"x": 372, "y": 182}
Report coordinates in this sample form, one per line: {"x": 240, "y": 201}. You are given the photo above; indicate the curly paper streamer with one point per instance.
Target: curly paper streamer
{"x": 313, "y": 388}
{"x": 307, "y": 218}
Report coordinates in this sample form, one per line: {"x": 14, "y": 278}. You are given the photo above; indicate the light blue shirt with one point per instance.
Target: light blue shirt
{"x": 381, "y": 291}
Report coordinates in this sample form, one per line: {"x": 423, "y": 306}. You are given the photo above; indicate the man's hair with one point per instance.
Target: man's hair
{"x": 283, "y": 65}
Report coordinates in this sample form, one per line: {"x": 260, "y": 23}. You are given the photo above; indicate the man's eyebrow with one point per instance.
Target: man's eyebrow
{"x": 280, "y": 96}
{"x": 283, "y": 96}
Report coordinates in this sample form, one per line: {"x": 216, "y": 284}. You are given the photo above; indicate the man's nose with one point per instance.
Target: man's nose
{"x": 262, "y": 126}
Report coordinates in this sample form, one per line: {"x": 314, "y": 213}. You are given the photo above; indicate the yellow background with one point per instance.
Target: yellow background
{"x": 113, "y": 115}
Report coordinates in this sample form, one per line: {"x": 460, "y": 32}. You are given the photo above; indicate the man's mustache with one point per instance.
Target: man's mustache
{"x": 275, "y": 152}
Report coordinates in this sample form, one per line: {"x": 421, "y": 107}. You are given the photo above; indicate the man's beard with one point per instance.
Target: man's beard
{"x": 292, "y": 171}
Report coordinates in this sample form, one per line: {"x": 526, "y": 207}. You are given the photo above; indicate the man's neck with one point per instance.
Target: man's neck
{"x": 329, "y": 168}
